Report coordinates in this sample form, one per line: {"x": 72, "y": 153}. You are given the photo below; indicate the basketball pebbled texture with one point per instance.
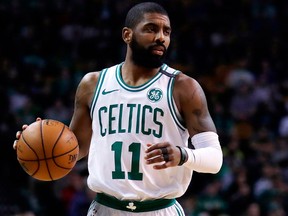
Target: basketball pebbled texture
{"x": 47, "y": 150}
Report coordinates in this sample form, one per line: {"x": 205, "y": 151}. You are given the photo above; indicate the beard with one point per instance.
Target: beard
{"x": 144, "y": 57}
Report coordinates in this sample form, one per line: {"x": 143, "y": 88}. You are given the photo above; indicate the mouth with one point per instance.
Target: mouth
{"x": 158, "y": 50}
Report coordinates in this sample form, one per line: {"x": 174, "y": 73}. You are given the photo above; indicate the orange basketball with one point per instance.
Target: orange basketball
{"x": 47, "y": 150}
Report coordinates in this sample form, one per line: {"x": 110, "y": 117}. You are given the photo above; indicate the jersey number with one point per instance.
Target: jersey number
{"x": 134, "y": 174}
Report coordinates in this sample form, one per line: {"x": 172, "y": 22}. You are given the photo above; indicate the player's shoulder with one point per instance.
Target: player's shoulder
{"x": 88, "y": 82}
{"x": 91, "y": 77}
{"x": 183, "y": 80}
{"x": 187, "y": 88}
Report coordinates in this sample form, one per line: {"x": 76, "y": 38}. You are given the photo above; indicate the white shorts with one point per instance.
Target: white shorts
{"x": 97, "y": 209}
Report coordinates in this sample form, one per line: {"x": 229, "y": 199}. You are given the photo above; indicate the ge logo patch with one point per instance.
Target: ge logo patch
{"x": 155, "y": 95}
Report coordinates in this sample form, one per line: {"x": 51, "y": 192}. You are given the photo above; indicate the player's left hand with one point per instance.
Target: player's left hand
{"x": 164, "y": 152}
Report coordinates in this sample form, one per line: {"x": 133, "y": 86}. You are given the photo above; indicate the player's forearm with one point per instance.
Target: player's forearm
{"x": 207, "y": 157}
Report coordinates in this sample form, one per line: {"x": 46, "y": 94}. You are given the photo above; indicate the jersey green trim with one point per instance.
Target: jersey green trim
{"x": 179, "y": 209}
{"x": 133, "y": 206}
{"x": 171, "y": 104}
{"x": 136, "y": 88}
{"x": 97, "y": 90}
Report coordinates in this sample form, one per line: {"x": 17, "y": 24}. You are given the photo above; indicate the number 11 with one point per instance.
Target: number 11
{"x": 134, "y": 174}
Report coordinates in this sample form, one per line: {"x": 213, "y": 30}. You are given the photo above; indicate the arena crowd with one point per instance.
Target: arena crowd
{"x": 237, "y": 50}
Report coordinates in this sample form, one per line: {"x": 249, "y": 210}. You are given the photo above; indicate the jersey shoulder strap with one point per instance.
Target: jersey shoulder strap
{"x": 168, "y": 71}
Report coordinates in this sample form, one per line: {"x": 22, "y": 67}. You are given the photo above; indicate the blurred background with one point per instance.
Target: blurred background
{"x": 237, "y": 50}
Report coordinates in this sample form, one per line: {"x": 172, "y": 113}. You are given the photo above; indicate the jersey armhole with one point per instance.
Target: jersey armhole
{"x": 97, "y": 91}
{"x": 171, "y": 103}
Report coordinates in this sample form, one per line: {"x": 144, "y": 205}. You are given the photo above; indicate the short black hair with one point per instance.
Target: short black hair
{"x": 136, "y": 13}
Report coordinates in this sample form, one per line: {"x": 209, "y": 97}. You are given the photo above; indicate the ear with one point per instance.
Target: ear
{"x": 127, "y": 35}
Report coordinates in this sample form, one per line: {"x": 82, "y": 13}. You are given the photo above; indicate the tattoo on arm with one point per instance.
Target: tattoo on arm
{"x": 200, "y": 112}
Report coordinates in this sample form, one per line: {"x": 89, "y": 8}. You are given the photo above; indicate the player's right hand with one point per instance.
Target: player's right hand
{"x": 18, "y": 134}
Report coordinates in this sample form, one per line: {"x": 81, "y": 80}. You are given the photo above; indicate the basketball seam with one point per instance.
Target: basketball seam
{"x": 53, "y": 158}
{"x": 48, "y": 158}
{"x": 54, "y": 146}
{"x": 38, "y": 164}
{"x": 44, "y": 152}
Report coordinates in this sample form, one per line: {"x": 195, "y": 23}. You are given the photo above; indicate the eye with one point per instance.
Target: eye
{"x": 167, "y": 32}
{"x": 150, "y": 28}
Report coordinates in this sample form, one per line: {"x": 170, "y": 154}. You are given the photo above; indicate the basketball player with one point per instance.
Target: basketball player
{"x": 133, "y": 120}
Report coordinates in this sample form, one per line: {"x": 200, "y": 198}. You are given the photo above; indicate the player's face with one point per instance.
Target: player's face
{"x": 150, "y": 41}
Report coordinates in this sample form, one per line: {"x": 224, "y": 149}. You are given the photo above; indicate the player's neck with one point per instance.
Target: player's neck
{"x": 135, "y": 75}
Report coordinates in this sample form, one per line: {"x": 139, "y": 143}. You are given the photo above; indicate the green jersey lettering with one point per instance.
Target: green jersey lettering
{"x": 101, "y": 112}
{"x": 131, "y": 118}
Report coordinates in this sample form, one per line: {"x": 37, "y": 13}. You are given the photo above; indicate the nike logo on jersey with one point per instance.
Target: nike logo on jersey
{"x": 104, "y": 92}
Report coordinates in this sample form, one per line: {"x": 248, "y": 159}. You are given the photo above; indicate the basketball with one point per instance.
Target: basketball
{"x": 47, "y": 150}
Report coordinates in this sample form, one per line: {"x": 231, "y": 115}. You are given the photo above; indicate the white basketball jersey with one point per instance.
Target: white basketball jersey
{"x": 124, "y": 119}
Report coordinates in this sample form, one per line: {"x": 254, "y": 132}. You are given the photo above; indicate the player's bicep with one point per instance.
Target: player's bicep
{"x": 81, "y": 123}
{"x": 195, "y": 110}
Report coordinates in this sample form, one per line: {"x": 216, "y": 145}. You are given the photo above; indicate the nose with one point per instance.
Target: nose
{"x": 160, "y": 37}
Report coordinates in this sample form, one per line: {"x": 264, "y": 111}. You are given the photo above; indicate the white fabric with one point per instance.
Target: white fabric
{"x": 207, "y": 157}
{"x": 125, "y": 119}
